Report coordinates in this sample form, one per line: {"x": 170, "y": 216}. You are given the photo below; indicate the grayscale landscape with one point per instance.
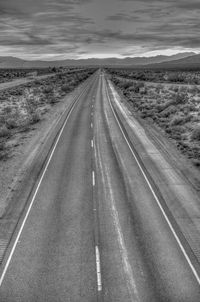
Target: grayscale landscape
{"x": 99, "y": 151}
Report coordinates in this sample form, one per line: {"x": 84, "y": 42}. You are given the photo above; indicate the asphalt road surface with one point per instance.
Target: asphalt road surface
{"x": 96, "y": 227}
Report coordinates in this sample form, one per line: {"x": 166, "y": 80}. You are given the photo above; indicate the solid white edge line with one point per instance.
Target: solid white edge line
{"x": 35, "y": 193}
{"x": 98, "y": 268}
{"x": 157, "y": 199}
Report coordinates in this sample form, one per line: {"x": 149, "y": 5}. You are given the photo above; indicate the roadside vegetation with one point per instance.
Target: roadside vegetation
{"x": 159, "y": 76}
{"x": 23, "y": 106}
{"x": 173, "y": 108}
{"x": 7, "y": 75}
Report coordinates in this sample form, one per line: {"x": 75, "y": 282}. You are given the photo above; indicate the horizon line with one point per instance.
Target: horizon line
{"x": 101, "y": 58}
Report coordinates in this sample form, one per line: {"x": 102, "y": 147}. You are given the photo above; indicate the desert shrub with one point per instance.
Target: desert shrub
{"x": 30, "y": 102}
{"x": 173, "y": 77}
{"x": 187, "y": 108}
{"x": 176, "y": 89}
{"x": 194, "y": 118}
{"x": 24, "y": 124}
{"x": 7, "y": 110}
{"x": 139, "y": 87}
{"x": 133, "y": 89}
{"x": 35, "y": 117}
{"x": 2, "y": 147}
{"x": 171, "y": 88}
{"x": 29, "y": 85}
{"x": 164, "y": 106}
{"x": 48, "y": 89}
{"x": 169, "y": 110}
{"x": 147, "y": 113}
{"x": 188, "y": 118}
{"x": 37, "y": 82}
{"x": 141, "y": 76}
{"x": 159, "y": 87}
{"x": 125, "y": 85}
{"x": 145, "y": 106}
{"x": 181, "y": 98}
{"x": 52, "y": 100}
{"x": 65, "y": 88}
{"x": 183, "y": 89}
{"x": 196, "y": 162}
{"x": 4, "y": 131}
{"x": 60, "y": 76}
{"x": 193, "y": 89}
{"x": 3, "y": 151}
{"x": 44, "y": 109}
{"x": 178, "y": 129}
{"x": 16, "y": 92}
{"x": 143, "y": 90}
{"x": 195, "y": 135}
{"x": 150, "y": 113}
{"x": 11, "y": 123}
{"x": 2, "y": 119}
{"x": 168, "y": 130}
{"x": 177, "y": 120}
{"x": 162, "y": 119}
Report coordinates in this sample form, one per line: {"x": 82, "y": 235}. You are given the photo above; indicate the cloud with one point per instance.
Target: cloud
{"x": 192, "y": 5}
{"x": 57, "y": 22}
{"x": 123, "y": 17}
{"x": 83, "y": 27}
{"x": 19, "y": 8}
{"x": 152, "y": 39}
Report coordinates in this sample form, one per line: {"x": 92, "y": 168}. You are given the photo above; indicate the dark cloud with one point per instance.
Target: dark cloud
{"x": 189, "y": 5}
{"x": 19, "y": 8}
{"x": 162, "y": 40}
{"x": 123, "y": 17}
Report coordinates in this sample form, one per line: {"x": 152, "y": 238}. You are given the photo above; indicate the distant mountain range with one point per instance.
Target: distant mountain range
{"x": 12, "y": 62}
{"x": 191, "y": 62}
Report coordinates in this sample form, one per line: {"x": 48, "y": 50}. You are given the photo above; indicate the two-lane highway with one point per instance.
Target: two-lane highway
{"x": 95, "y": 231}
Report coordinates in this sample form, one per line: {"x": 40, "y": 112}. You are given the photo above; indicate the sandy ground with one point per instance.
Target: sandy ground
{"x": 23, "y": 81}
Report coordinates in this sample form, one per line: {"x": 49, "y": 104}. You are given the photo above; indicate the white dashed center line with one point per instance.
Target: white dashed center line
{"x": 98, "y": 269}
{"x": 93, "y": 178}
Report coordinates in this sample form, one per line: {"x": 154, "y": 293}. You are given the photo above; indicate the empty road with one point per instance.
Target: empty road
{"x": 105, "y": 220}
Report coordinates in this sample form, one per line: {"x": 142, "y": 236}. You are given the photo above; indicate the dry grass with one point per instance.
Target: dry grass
{"x": 22, "y": 106}
{"x": 174, "y": 109}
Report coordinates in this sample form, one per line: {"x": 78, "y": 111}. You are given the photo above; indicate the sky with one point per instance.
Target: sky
{"x": 74, "y": 29}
